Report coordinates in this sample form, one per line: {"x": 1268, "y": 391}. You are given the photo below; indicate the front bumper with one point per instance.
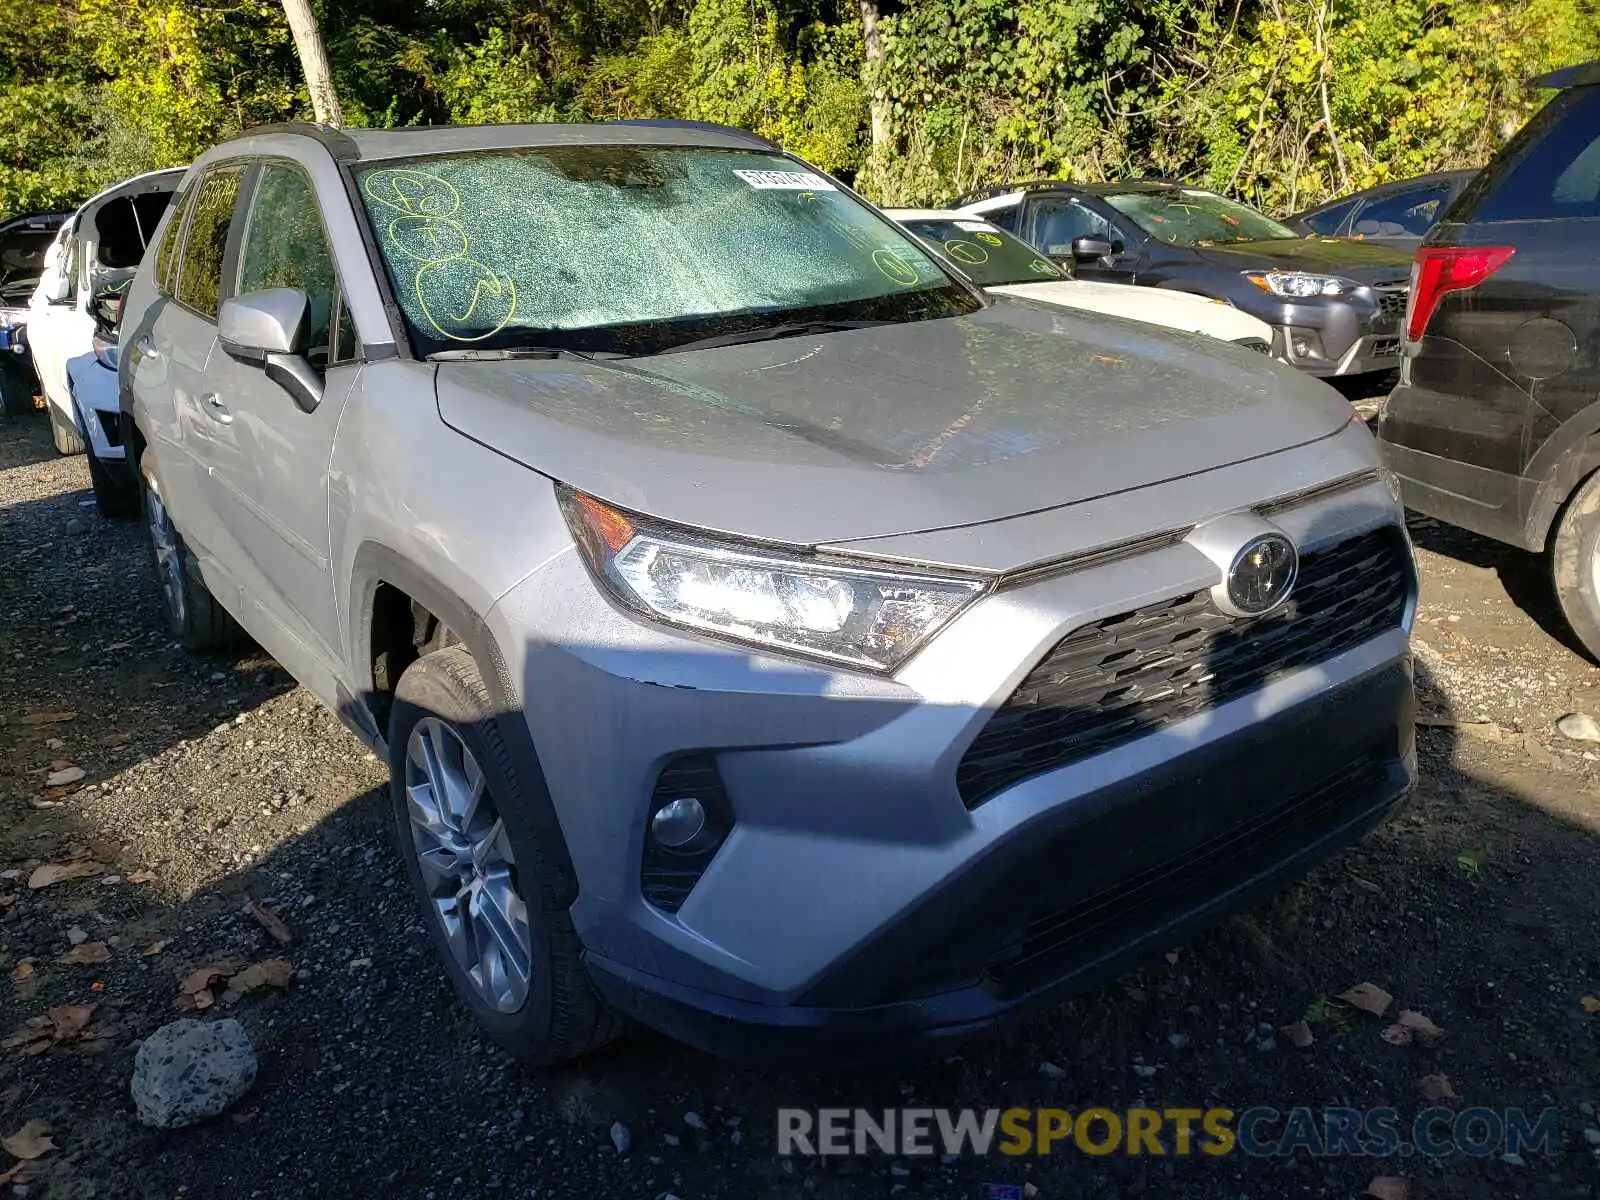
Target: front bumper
{"x": 1334, "y": 336}
{"x": 94, "y": 392}
{"x": 858, "y": 895}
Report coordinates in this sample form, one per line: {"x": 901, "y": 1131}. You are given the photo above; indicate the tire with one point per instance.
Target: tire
{"x": 546, "y": 1011}
{"x": 1575, "y": 564}
{"x": 67, "y": 438}
{"x": 194, "y": 616}
{"x": 112, "y": 497}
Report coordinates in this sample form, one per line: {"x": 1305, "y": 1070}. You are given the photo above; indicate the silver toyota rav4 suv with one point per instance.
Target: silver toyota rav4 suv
{"x": 772, "y": 639}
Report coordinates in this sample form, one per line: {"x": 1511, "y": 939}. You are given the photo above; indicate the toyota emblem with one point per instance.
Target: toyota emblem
{"x": 1262, "y": 574}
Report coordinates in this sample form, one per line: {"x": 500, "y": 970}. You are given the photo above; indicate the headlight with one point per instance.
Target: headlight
{"x": 105, "y": 350}
{"x": 847, "y": 614}
{"x": 1299, "y": 284}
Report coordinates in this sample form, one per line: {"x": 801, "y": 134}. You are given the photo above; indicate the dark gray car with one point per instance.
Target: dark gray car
{"x": 1337, "y": 304}
{"x": 771, "y": 639}
{"x": 1396, "y": 214}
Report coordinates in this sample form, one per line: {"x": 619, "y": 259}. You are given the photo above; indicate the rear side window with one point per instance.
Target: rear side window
{"x": 200, "y": 272}
{"x": 1550, "y": 170}
{"x": 167, "y": 252}
{"x": 1404, "y": 214}
{"x": 1327, "y": 221}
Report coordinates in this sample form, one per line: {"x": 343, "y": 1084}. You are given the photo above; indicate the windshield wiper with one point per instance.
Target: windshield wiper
{"x": 469, "y": 354}
{"x": 766, "y": 333}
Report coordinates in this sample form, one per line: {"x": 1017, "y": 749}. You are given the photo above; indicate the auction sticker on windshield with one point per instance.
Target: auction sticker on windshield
{"x": 796, "y": 181}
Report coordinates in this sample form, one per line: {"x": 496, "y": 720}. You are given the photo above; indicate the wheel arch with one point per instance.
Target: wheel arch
{"x": 1556, "y": 470}
{"x": 378, "y": 567}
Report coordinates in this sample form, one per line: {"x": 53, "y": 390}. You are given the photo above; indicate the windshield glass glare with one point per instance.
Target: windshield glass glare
{"x": 988, "y": 256}
{"x": 635, "y": 249}
{"x": 1195, "y": 218}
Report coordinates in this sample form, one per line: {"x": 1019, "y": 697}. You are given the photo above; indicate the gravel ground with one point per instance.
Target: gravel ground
{"x": 211, "y": 783}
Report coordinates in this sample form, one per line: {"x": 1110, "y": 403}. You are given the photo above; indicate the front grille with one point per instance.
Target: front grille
{"x": 1035, "y": 951}
{"x": 1392, "y": 301}
{"x": 1117, "y": 679}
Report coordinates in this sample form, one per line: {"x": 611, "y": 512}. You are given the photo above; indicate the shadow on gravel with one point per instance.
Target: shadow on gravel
{"x": 1524, "y": 575}
{"x": 1476, "y": 906}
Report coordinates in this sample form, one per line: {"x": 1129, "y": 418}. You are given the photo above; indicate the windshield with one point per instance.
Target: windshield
{"x": 635, "y": 249}
{"x": 988, "y": 256}
{"x": 1189, "y": 217}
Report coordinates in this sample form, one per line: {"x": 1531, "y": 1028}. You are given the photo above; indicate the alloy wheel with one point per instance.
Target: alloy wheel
{"x": 469, "y": 870}
{"x": 169, "y": 562}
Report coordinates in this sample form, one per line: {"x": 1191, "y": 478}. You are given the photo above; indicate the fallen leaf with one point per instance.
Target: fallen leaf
{"x": 1109, "y": 359}
{"x": 1398, "y": 1035}
{"x": 30, "y": 1142}
{"x": 271, "y": 922}
{"x": 22, "y": 972}
{"x": 155, "y": 947}
{"x": 196, "y": 1001}
{"x": 1368, "y": 997}
{"x": 7, "y": 899}
{"x": 274, "y": 972}
{"x": 106, "y": 850}
{"x": 87, "y": 954}
{"x": 202, "y": 978}
{"x": 1437, "y": 1087}
{"x": 51, "y": 873}
{"x": 69, "y": 1019}
{"x": 64, "y": 777}
{"x": 47, "y": 718}
{"x": 142, "y": 877}
{"x": 1388, "y": 1187}
{"x": 10, "y": 1175}
{"x": 1298, "y": 1033}
{"x": 1590, "y": 1004}
{"x": 1418, "y": 1024}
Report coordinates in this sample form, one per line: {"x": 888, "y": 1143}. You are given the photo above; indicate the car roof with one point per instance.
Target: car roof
{"x": 367, "y": 145}
{"x": 1579, "y": 75}
{"x": 43, "y": 221}
{"x": 1062, "y": 185}
{"x": 1389, "y": 185}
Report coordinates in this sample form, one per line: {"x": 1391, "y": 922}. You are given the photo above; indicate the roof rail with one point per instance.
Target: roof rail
{"x": 1578, "y": 75}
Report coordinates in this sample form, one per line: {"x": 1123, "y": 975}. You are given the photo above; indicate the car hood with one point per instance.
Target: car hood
{"x": 892, "y": 429}
{"x": 1361, "y": 261}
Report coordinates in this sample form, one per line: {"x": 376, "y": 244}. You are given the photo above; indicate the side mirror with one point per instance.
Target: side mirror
{"x": 268, "y": 329}
{"x": 1088, "y": 249}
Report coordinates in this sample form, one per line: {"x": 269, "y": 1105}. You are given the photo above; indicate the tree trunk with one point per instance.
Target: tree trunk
{"x": 877, "y": 100}
{"x": 314, "y": 62}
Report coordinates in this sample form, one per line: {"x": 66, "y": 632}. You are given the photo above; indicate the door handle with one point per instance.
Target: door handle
{"x": 216, "y": 409}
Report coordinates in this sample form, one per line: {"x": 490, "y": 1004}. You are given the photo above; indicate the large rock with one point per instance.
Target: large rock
{"x": 190, "y": 1070}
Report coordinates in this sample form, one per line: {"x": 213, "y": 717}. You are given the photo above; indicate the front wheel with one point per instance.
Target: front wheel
{"x": 488, "y": 887}
{"x": 1575, "y": 564}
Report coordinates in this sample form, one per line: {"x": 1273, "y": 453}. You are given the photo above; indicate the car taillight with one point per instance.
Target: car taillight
{"x": 1440, "y": 269}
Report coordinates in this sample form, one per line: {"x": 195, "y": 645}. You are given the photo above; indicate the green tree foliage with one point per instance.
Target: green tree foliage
{"x": 1283, "y": 102}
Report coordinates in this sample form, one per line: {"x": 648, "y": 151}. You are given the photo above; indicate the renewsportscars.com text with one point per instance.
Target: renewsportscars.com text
{"x": 1260, "y": 1132}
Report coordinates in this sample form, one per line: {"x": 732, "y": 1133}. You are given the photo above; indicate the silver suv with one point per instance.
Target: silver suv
{"x": 772, "y": 639}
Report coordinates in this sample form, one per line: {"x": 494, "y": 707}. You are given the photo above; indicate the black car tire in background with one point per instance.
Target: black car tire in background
{"x": 562, "y": 1016}
{"x": 113, "y": 498}
{"x": 1574, "y": 560}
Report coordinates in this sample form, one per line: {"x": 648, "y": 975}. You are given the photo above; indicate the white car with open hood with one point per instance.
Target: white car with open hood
{"x": 1001, "y": 263}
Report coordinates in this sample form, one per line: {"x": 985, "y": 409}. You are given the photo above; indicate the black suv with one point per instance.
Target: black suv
{"x": 1336, "y": 305}
{"x": 1391, "y": 214}
{"x": 1495, "y": 425}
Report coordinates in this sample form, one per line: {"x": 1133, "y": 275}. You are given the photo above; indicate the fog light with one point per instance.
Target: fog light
{"x": 678, "y": 823}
